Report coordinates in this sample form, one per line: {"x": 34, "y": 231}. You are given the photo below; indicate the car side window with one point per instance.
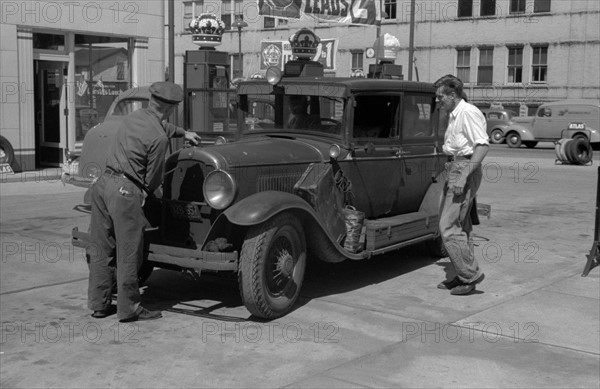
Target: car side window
{"x": 545, "y": 112}
{"x": 417, "y": 117}
{"x": 374, "y": 116}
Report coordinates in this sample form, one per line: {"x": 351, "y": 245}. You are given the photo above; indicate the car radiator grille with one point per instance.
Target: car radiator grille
{"x": 280, "y": 182}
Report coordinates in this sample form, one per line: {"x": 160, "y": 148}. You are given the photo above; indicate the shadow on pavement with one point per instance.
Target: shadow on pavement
{"x": 211, "y": 295}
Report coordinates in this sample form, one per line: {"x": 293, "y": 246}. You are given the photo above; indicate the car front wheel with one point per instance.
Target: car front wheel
{"x": 496, "y": 137}
{"x": 272, "y": 264}
{"x": 513, "y": 140}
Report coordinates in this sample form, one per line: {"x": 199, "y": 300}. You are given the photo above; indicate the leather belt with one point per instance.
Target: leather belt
{"x": 112, "y": 172}
{"x": 452, "y": 158}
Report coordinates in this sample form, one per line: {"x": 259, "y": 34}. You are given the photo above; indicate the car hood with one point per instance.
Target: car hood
{"x": 259, "y": 151}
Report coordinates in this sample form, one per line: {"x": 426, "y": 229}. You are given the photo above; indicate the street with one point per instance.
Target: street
{"x": 533, "y": 322}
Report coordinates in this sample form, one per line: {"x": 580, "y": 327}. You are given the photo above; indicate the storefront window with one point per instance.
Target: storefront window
{"x": 102, "y": 71}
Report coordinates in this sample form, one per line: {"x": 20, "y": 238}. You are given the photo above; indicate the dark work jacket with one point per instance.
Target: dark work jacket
{"x": 140, "y": 146}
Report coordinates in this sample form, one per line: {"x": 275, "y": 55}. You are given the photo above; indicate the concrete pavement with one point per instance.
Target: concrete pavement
{"x": 534, "y": 321}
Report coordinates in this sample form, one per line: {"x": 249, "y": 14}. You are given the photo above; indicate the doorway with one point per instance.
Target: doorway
{"x": 50, "y": 111}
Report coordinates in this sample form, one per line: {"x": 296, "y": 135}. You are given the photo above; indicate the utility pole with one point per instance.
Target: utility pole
{"x": 411, "y": 40}
{"x": 171, "y": 4}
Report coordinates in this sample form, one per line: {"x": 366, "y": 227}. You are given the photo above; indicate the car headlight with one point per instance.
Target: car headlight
{"x": 219, "y": 189}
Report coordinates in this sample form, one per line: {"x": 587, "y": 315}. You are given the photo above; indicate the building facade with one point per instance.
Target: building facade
{"x": 515, "y": 53}
{"x": 64, "y": 62}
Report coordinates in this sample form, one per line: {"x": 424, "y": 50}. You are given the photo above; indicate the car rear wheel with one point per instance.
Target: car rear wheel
{"x": 513, "y": 140}
{"x": 497, "y": 136}
{"x": 530, "y": 144}
{"x": 272, "y": 264}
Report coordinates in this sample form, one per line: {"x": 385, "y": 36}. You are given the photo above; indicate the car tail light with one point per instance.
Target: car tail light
{"x": 219, "y": 189}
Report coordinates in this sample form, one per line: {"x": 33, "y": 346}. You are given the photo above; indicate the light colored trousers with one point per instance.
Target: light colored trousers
{"x": 455, "y": 221}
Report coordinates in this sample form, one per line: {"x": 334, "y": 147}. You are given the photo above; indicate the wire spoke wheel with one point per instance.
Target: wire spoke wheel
{"x": 272, "y": 264}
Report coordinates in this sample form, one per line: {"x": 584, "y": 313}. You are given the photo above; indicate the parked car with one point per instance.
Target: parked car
{"x": 361, "y": 178}
{"x": 497, "y": 122}
{"x": 84, "y": 166}
{"x": 557, "y": 120}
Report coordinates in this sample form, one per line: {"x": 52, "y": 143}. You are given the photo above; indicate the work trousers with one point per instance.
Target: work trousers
{"x": 455, "y": 220}
{"x": 117, "y": 244}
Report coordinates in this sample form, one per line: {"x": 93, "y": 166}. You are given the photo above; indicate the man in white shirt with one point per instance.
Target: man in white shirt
{"x": 466, "y": 144}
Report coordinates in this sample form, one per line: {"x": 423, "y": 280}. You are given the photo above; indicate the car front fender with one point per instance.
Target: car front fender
{"x": 523, "y": 131}
{"x": 261, "y": 206}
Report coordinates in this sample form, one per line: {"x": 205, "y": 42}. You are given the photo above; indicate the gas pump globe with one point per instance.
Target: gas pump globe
{"x": 208, "y": 99}
{"x": 304, "y": 45}
{"x": 207, "y": 30}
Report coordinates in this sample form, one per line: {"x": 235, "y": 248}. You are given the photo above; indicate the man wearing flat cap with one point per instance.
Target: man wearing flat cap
{"x": 134, "y": 169}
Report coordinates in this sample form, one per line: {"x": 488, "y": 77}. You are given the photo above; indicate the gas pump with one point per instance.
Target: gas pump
{"x": 209, "y": 103}
{"x": 386, "y": 48}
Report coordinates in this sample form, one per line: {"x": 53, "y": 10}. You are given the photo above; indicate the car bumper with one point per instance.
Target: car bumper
{"x": 69, "y": 175}
{"x": 161, "y": 255}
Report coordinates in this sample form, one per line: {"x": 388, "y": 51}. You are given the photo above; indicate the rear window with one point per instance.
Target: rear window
{"x": 127, "y": 106}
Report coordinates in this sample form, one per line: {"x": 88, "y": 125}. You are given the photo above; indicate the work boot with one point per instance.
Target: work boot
{"x": 463, "y": 289}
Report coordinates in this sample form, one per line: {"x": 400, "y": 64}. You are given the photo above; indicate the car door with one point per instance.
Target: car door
{"x": 376, "y": 166}
{"x": 421, "y": 145}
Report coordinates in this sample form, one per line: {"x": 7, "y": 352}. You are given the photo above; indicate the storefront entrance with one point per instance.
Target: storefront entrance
{"x": 50, "y": 110}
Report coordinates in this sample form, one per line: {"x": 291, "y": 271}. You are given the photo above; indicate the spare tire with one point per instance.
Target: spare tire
{"x": 579, "y": 152}
{"x": 563, "y": 150}
{"x": 559, "y": 149}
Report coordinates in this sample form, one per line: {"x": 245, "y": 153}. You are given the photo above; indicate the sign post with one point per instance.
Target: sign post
{"x": 592, "y": 257}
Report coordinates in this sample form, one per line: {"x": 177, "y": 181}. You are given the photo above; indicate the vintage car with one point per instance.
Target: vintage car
{"x": 86, "y": 161}
{"x": 556, "y": 120}
{"x": 360, "y": 177}
{"x": 497, "y": 122}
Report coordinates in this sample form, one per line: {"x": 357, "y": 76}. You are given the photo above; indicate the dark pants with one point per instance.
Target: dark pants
{"x": 455, "y": 221}
{"x": 117, "y": 235}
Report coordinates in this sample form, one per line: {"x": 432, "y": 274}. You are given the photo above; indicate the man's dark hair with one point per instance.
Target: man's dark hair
{"x": 450, "y": 83}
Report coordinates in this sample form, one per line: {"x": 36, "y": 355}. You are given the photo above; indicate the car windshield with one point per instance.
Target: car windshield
{"x": 293, "y": 113}
{"x": 127, "y": 106}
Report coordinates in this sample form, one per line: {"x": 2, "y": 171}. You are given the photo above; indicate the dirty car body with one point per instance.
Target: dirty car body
{"x": 260, "y": 205}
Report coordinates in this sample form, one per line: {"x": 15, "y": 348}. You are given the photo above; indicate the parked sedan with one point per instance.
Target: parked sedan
{"x": 498, "y": 121}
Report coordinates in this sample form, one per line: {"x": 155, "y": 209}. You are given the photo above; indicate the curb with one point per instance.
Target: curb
{"x": 43, "y": 175}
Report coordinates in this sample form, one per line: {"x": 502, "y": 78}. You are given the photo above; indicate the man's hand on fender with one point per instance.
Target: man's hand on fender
{"x": 192, "y": 137}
